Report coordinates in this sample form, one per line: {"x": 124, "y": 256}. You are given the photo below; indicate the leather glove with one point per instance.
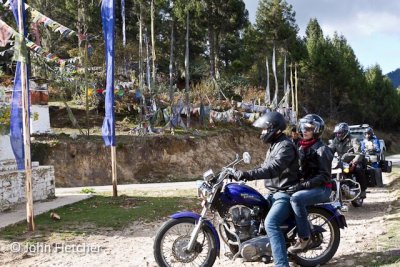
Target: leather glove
{"x": 240, "y": 175}
{"x": 294, "y": 188}
{"x": 352, "y": 166}
{"x": 297, "y": 187}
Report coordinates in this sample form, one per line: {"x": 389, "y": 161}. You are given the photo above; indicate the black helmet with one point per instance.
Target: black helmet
{"x": 341, "y": 131}
{"x": 369, "y": 133}
{"x": 315, "y": 122}
{"x": 272, "y": 122}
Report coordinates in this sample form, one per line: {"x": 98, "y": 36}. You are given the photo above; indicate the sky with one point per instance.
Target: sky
{"x": 371, "y": 27}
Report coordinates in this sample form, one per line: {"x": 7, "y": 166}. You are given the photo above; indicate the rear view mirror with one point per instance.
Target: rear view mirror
{"x": 246, "y": 157}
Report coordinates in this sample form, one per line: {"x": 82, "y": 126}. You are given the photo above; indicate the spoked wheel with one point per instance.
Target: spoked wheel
{"x": 327, "y": 241}
{"x": 172, "y": 240}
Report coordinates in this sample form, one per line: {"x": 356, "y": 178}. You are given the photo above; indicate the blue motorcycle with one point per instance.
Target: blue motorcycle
{"x": 238, "y": 211}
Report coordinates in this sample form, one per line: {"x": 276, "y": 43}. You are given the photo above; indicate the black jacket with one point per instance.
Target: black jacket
{"x": 343, "y": 146}
{"x": 316, "y": 164}
{"x": 280, "y": 166}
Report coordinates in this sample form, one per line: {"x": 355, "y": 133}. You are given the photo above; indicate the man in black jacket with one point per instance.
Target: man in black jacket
{"x": 279, "y": 170}
{"x": 295, "y": 136}
{"x": 343, "y": 143}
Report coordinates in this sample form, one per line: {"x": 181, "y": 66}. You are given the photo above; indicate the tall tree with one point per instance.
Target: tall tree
{"x": 234, "y": 17}
{"x": 276, "y": 27}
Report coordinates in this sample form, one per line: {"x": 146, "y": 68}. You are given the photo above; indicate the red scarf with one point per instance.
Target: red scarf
{"x": 305, "y": 144}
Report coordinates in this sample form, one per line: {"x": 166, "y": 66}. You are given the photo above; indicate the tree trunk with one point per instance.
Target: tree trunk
{"x": 140, "y": 48}
{"x": 171, "y": 63}
{"x": 153, "y": 45}
{"x": 267, "y": 89}
{"x": 211, "y": 39}
{"x": 187, "y": 70}
{"x": 148, "y": 78}
{"x": 275, "y": 100}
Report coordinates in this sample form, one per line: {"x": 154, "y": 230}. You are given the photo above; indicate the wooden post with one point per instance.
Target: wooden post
{"x": 296, "y": 90}
{"x": 86, "y": 86}
{"x": 187, "y": 70}
{"x": 114, "y": 170}
{"x": 153, "y": 45}
{"x": 26, "y": 128}
{"x": 292, "y": 89}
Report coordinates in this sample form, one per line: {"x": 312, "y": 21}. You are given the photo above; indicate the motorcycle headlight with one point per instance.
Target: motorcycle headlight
{"x": 203, "y": 190}
{"x": 346, "y": 168}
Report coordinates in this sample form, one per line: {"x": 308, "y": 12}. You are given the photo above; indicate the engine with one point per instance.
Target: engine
{"x": 243, "y": 219}
{"x": 253, "y": 246}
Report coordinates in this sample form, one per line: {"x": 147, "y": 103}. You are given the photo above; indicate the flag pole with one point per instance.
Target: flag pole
{"x": 114, "y": 170}
{"x": 26, "y": 128}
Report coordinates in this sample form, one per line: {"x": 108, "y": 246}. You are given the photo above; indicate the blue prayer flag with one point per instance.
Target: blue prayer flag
{"x": 108, "y": 19}
{"x": 16, "y": 128}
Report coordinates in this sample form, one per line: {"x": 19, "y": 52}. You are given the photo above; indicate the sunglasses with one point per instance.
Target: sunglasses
{"x": 308, "y": 129}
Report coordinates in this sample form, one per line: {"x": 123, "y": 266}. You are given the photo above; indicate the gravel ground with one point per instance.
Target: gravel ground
{"x": 133, "y": 246}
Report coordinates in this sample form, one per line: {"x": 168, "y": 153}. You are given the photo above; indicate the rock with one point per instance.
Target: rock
{"x": 55, "y": 216}
{"x": 349, "y": 263}
{"x": 4, "y": 205}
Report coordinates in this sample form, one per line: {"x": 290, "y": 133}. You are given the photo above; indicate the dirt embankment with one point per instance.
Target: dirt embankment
{"x": 158, "y": 158}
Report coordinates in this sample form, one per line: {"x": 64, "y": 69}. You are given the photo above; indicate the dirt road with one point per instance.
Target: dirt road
{"x": 133, "y": 245}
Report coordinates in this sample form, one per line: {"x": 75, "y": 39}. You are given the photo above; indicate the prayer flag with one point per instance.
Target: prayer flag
{"x": 16, "y": 130}
{"x": 108, "y": 19}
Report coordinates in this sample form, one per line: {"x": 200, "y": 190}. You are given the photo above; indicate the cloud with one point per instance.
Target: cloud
{"x": 350, "y": 18}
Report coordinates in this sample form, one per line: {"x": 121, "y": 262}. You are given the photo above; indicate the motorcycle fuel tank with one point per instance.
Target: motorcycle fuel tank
{"x": 242, "y": 194}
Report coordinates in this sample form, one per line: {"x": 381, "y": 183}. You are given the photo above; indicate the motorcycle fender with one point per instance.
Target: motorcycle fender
{"x": 338, "y": 216}
{"x": 207, "y": 223}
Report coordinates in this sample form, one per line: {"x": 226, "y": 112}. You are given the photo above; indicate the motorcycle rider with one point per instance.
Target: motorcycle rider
{"x": 370, "y": 144}
{"x": 279, "y": 170}
{"x": 341, "y": 144}
{"x": 315, "y": 170}
{"x": 295, "y": 136}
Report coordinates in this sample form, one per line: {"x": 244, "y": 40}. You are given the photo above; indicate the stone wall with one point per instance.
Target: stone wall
{"x": 12, "y": 183}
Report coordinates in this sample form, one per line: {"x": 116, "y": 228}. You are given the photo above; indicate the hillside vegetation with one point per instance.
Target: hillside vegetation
{"x": 223, "y": 46}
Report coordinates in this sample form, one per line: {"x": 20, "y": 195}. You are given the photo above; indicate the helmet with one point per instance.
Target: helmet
{"x": 272, "y": 122}
{"x": 341, "y": 131}
{"x": 369, "y": 133}
{"x": 314, "y": 121}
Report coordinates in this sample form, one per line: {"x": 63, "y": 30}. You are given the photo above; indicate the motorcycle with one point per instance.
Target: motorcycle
{"x": 192, "y": 239}
{"x": 346, "y": 188}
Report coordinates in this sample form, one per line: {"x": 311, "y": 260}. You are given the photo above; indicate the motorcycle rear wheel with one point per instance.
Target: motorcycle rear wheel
{"x": 330, "y": 241}
{"x": 172, "y": 239}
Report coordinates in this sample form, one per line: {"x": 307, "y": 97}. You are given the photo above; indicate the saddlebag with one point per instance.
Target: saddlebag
{"x": 386, "y": 166}
{"x": 374, "y": 177}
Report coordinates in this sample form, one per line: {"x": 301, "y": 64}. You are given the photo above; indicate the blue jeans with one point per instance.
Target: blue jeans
{"x": 277, "y": 215}
{"x": 303, "y": 198}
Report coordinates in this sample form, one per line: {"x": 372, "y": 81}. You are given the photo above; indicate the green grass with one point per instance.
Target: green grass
{"x": 88, "y": 191}
{"x": 105, "y": 212}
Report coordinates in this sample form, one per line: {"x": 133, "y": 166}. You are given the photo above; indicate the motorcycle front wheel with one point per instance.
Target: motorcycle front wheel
{"x": 171, "y": 242}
